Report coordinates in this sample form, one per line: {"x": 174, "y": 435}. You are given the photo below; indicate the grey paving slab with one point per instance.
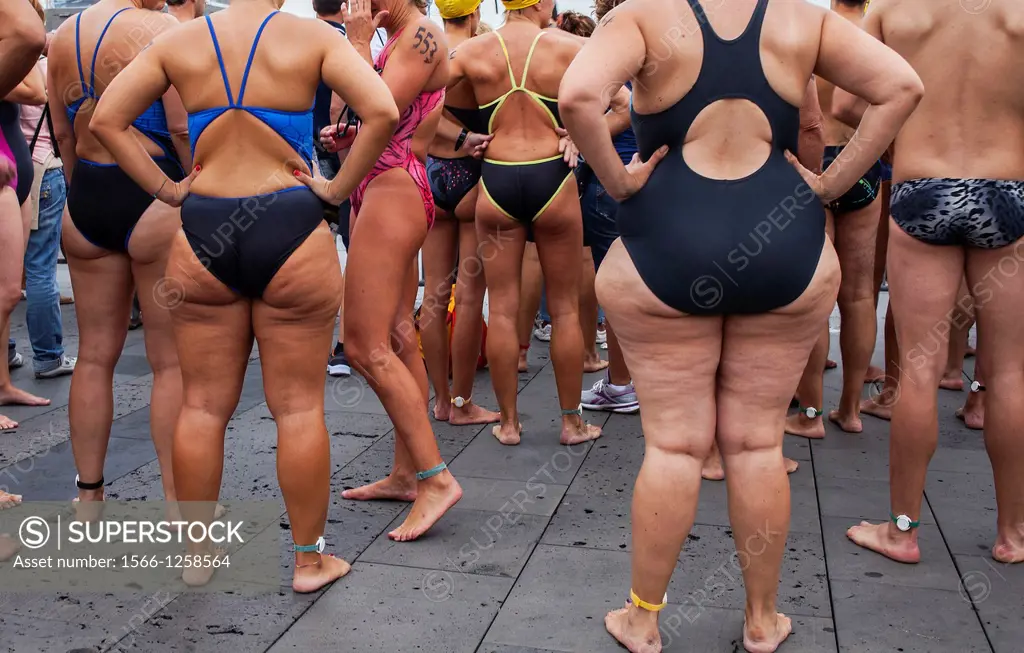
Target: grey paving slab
{"x": 859, "y": 499}
{"x": 22, "y": 635}
{"x": 465, "y": 542}
{"x": 849, "y": 562}
{"x": 196, "y": 622}
{"x": 997, "y": 592}
{"x": 52, "y": 476}
{"x": 538, "y": 458}
{"x": 386, "y": 609}
{"x": 510, "y": 496}
{"x": 713, "y": 569}
{"x": 914, "y": 620}
{"x": 866, "y": 464}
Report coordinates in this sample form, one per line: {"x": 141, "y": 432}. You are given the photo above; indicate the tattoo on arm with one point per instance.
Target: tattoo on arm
{"x": 606, "y": 21}
{"x": 425, "y": 44}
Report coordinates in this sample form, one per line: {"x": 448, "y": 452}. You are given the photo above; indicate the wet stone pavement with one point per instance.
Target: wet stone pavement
{"x": 538, "y": 550}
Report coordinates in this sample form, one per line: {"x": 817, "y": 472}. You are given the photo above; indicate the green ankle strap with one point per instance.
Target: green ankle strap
{"x": 573, "y": 411}
{"x": 312, "y": 548}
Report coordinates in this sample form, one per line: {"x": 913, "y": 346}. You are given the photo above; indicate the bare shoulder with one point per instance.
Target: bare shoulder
{"x": 426, "y": 39}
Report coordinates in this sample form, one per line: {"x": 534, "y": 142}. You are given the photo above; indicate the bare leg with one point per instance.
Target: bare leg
{"x": 876, "y": 374}
{"x": 560, "y": 244}
{"x": 973, "y": 410}
{"x": 439, "y": 260}
{"x": 883, "y": 396}
{"x": 504, "y": 268}
{"x": 961, "y": 321}
{"x": 294, "y": 321}
{"x": 592, "y": 361}
{"x": 103, "y": 285}
{"x": 762, "y": 359}
{"x": 668, "y": 353}
{"x": 924, "y": 281}
{"x": 529, "y": 301}
{"x": 12, "y": 255}
{"x": 1000, "y": 308}
{"x": 856, "y": 236}
{"x": 810, "y": 389}
{"x": 214, "y": 335}
{"x": 389, "y": 231}
{"x": 468, "y": 329}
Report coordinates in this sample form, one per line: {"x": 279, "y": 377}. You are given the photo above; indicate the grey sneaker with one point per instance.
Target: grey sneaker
{"x": 14, "y": 360}
{"x": 603, "y": 397}
{"x": 62, "y": 367}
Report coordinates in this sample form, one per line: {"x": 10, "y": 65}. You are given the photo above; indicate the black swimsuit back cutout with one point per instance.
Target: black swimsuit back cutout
{"x": 711, "y": 247}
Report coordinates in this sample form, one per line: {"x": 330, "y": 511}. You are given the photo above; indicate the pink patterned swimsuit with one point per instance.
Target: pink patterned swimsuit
{"x": 5, "y": 153}
{"x": 398, "y": 153}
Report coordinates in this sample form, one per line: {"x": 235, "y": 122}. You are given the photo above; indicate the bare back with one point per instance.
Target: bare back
{"x": 731, "y": 138}
{"x": 970, "y": 124}
{"x": 240, "y": 154}
{"x": 523, "y": 130}
{"x": 128, "y": 35}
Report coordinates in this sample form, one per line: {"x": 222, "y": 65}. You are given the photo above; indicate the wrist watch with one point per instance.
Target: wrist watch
{"x": 904, "y": 523}
{"x": 812, "y": 412}
{"x": 459, "y": 402}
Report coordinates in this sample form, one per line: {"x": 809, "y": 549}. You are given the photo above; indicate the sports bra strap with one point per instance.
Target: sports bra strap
{"x": 252, "y": 54}
{"x": 220, "y": 60}
{"x": 95, "y": 53}
{"x": 78, "y": 53}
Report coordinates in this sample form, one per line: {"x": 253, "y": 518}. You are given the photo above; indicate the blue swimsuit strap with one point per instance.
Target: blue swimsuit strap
{"x": 78, "y": 53}
{"x": 252, "y": 55}
{"x": 95, "y": 53}
{"x": 220, "y": 60}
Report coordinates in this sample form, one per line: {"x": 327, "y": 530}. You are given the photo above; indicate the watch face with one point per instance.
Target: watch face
{"x": 975, "y": 386}
{"x": 459, "y": 402}
{"x": 903, "y": 523}
{"x": 811, "y": 413}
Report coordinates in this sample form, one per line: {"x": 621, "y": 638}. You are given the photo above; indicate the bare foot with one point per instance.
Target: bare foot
{"x": 879, "y": 538}
{"x": 973, "y": 411}
{"x": 594, "y": 365}
{"x": 442, "y": 410}
{"x": 12, "y": 396}
{"x": 849, "y": 423}
{"x": 577, "y": 433}
{"x": 791, "y": 465}
{"x": 876, "y": 409}
{"x": 760, "y": 639}
{"x": 88, "y": 505}
{"x": 199, "y": 575}
{"x": 7, "y": 424}
{"x": 316, "y": 576}
{"x": 830, "y": 364}
{"x": 8, "y": 547}
{"x": 874, "y": 375}
{"x": 390, "y": 488}
{"x": 805, "y": 427}
{"x": 712, "y": 469}
{"x": 472, "y": 414}
{"x": 435, "y": 497}
{"x": 955, "y": 383}
{"x": 1003, "y": 551}
{"x": 523, "y": 366}
{"x": 507, "y": 434}
{"x": 630, "y": 629}
{"x": 8, "y": 500}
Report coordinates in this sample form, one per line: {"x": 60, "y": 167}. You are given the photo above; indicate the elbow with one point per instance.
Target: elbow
{"x": 102, "y": 126}
{"x": 912, "y": 89}
{"x": 32, "y": 35}
{"x": 389, "y": 116}
{"x": 574, "y": 100}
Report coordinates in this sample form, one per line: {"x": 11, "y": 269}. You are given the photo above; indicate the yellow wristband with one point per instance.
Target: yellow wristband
{"x": 644, "y": 605}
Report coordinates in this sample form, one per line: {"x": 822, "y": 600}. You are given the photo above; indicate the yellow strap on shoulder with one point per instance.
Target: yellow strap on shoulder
{"x": 644, "y": 605}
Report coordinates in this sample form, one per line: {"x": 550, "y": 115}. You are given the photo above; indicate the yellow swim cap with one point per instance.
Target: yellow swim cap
{"x": 512, "y": 5}
{"x": 450, "y": 9}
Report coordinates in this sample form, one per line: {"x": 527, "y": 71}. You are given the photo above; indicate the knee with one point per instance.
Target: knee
{"x": 749, "y": 441}
{"x": 163, "y": 360}
{"x": 10, "y": 295}
{"x": 365, "y": 352}
{"x": 856, "y": 291}
{"x": 696, "y": 446}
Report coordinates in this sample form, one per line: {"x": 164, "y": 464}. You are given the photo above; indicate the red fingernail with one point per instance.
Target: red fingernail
{"x": 198, "y": 168}
{"x": 296, "y": 173}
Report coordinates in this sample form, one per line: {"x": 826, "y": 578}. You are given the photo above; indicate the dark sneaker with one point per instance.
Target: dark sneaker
{"x": 338, "y": 364}
{"x": 62, "y": 367}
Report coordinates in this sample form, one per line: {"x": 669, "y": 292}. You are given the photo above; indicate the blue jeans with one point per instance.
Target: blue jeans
{"x": 599, "y": 226}
{"x": 43, "y": 310}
